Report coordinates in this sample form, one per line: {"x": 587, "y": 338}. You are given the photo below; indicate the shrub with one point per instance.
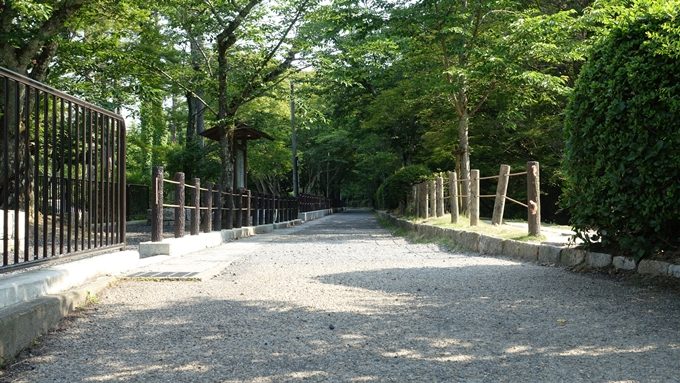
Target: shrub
{"x": 622, "y": 158}
{"x": 394, "y": 190}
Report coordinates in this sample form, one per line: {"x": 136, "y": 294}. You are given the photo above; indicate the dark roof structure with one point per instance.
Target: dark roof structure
{"x": 241, "y": 132}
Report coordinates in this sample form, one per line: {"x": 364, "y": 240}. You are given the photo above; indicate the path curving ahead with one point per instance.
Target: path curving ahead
{"x": 341, "y": 300}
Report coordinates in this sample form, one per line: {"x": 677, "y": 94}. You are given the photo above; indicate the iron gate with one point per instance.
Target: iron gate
{"x": 62, "y": 174}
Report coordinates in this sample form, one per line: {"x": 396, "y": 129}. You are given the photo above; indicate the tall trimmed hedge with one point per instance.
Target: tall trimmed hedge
{"x": 394, "y": 190}
{"x": 622, "y": 160}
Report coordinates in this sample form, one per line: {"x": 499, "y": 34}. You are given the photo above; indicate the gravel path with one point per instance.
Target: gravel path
{"x": 343, "y": 301}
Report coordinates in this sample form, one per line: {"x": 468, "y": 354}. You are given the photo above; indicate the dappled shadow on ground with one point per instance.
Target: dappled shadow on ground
{"x": 340, "y": 314}
{"x": 431, "y": 329}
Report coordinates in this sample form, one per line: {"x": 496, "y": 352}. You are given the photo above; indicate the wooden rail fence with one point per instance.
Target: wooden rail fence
{"x": 428, "y": 198}
{"x": 212, "y": 207}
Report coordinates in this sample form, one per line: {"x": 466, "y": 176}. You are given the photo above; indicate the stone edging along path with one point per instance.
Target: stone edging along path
{"x": 536, "y": 253}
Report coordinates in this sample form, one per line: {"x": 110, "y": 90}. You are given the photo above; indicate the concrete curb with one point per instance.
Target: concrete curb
{"x": 22, "y": 323}
{"x": 537, "y": 253}
{"x": 33, "y": 302}
{"x": 193, "y": 243}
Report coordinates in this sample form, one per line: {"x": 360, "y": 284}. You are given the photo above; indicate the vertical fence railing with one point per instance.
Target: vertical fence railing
{"x": 427, "y": 198}
{"x": 62, "y": 174}
{"x": 213, "y": 207}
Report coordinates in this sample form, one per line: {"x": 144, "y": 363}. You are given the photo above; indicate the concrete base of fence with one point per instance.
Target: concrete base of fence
{"x": 316, "y": 214}
{"x": 21, "y": 324}
{"x": 28, "y": 285}
{"x": 287, "y": 224}
{"x": 537, "y": 253}
{"x": 32, "y": 302}
{"x": 193, "y": 243}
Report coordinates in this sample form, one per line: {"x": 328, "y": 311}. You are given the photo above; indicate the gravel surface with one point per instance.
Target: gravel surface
{"x": 343, "y": 301}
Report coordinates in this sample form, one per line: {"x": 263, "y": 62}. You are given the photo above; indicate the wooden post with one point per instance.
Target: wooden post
{"x": 249, "y": 206}
{"x": 206, "y": 221}
{"x": 230, "y": 209}
{"x": 431, "y": 189}
{"x": 474, "y": 197}
{"x": 256, "y": 211}
{"x": 157, "y": 207}
{"x": 423, "y": 199}
{"x": 453, "y": 196}
{"x": 440, "y": 196}
{"x": 244, "y": 207}
{"x": 501, "y": 192}
{"x": 196, "y": 211}
{"x": 238, "y": 208}
{"x": 413, "y": 203}
{"x": 179, "y": 201}
{"x": 218, "y": 212}
{"x": 533, "y": 198}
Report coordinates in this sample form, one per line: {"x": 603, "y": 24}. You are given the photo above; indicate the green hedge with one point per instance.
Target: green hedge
{"x": 622, "y": 159}
{"x": 394, "y": 190}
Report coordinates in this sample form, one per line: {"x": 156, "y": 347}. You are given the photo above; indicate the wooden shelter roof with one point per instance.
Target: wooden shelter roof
{"x": 241, "y": 132}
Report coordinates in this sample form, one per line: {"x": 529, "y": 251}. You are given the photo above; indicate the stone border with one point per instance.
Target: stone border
{"x": 537, "y": 253}
{"x": 193, "y": 243}
{"x": 21, "y": 324}
{"x": 34, "y": 302}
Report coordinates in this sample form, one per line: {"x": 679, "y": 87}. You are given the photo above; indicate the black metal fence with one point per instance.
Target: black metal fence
{"x": 62, "y": 174}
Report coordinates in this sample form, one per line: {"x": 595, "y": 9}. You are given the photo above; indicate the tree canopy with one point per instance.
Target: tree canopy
{"x": 381, "y": 85}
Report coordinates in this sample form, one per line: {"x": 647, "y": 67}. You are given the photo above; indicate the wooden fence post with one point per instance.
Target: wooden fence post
{"x": 501, "y": 192}
{"x": 440, "y": 196}
{"x": 533, "y": 198}
{"x": 453, "y": 196}
{"x": 196, "y": 211}
{"x": 206, "y": 221}
{"x": 423, "y": 199}
{"x": 218, "y": 212}
{"x": 250, "y": 208}
{"x": 431, "y": 189}
{"x": 474, "y": 197}
{"x": 157, "y": 207}
{"x": 179, "y": 201}
{"x": 244, "y": 207}
{"x": 230, "y": 209}
{"x": 238, "y": 207}
{"x": 412, "y": 205}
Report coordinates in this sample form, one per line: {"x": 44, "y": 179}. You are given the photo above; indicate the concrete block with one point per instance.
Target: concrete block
{"x": 652, "y": 267}
{"x": 28, "y": 285}
{"x": 263, "y": 229}
{"x": 674, "y": 271}
{"x": 227, "y": 235}
{"x": 21, "y": 324}
{"x": 278, "y": 225}
{"x": 549, "y": 255}
{"x": 490, "y": 245}
{"x": 150, "y": 249}
{"x": 520, "y": 250}
{"x": 598, "y": 260}
{"x": 624, "y": 263}
{"x": 468, "y": 240}
{"x": 572, "y": 257}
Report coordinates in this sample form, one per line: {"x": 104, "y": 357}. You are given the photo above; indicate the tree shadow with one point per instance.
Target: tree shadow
{"x": 445, "y": 324}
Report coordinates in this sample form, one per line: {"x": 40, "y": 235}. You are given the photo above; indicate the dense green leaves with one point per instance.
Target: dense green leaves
{"x": 622, "y": 162}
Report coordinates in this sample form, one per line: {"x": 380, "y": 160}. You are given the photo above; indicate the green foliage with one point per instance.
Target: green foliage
{"x": 393, "y": 192}
{"x": 622, "y": 159}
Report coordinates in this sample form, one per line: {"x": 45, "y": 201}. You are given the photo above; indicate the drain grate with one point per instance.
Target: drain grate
{"x": 163, "y": 274}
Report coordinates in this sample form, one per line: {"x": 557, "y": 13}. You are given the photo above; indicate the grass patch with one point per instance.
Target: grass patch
{"x": 414, "y": 237}
{"x": 500, "y": 231}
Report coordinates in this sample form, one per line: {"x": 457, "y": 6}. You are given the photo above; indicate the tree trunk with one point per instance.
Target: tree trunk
{"x": 464, "y": 151}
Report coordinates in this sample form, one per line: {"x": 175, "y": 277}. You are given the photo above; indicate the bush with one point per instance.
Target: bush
{"x": 394, "y": 190}
{"x": 622, "y": 159}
